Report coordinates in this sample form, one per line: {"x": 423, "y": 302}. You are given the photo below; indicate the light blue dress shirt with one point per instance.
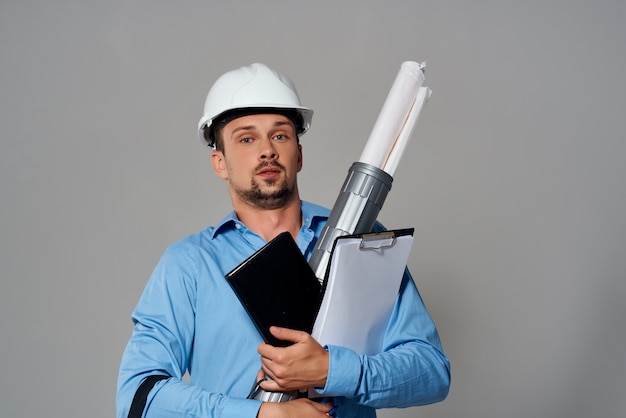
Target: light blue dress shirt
{"x": 189, "y": 319}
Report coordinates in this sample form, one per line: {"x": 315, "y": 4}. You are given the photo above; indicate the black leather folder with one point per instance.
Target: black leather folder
{"x": 277, "y": 287}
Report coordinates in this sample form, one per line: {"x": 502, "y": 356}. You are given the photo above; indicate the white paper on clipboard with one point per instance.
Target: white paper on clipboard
{"x": 363, "y": 280}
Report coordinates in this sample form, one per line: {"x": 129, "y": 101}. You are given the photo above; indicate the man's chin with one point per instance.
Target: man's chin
{"x": 268, "y": 199}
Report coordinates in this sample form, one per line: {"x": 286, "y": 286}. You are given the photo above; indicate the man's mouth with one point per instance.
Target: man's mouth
{"x": 269, "y": 171}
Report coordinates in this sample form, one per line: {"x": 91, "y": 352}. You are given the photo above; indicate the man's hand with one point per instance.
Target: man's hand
{"x": 300, "y": 408}
{"x": 300, "y": 366}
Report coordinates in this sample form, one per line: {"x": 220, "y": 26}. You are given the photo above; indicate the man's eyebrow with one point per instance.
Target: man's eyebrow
{"x": 281, "y": 123}
{"x": 253, "y": 127}
{"x": 243, "y": 128}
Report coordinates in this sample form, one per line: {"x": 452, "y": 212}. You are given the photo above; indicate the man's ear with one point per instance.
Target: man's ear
{"x": 219, "y": 165}
{"x": 299, "y": 157}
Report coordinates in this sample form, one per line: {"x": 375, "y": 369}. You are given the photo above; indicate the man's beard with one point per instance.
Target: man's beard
{"x": 268, "y": 200}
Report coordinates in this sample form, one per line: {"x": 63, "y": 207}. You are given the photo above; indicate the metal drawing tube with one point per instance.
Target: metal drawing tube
{"x": 355, "y": 211}
{"x": 369, "y": 180}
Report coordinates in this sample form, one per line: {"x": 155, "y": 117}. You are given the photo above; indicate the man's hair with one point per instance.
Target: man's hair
{"x": 215, "y": 130}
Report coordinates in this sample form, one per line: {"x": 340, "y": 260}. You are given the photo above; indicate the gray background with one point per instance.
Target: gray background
{"x": 514, "y": 180}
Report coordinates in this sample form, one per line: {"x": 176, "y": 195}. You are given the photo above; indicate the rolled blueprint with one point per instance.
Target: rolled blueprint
{"x": 393, "y": 158}
{"x": 369, "y": 180}
{"x": 397, "y": 116}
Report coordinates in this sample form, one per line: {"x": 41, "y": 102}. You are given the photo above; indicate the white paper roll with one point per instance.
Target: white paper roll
{"x": 393, "y": 158}
{"x": 393, "y": 115}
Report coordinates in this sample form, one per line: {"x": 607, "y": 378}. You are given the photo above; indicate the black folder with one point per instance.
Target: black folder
{"x": 277, "y": 287}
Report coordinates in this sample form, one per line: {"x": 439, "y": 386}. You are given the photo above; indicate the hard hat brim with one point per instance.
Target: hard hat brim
{"x": 205, "y": 123}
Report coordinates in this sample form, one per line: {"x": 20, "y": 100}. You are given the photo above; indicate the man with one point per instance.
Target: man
{"x": 189, "y": 319}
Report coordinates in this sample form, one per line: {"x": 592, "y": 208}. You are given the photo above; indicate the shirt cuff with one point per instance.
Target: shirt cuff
{"x": 344, "y": 372}
{"x": 240, "y": 408}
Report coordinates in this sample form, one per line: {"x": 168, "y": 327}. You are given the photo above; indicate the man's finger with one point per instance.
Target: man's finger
{"x": 287, "y": 334}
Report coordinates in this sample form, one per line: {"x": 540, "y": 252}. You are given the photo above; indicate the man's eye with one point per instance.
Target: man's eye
{"x": 280, "y": 137}
{"x": 246, "y": 140}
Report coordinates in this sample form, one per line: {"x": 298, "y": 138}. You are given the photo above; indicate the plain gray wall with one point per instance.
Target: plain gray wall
{"x": 514, "y": 180}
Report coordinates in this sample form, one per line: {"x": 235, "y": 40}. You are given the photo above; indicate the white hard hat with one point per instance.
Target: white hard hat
{"x": 256, "y": 88}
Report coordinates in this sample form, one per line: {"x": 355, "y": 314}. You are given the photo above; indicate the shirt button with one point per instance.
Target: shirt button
{"x": 237, "y": 226}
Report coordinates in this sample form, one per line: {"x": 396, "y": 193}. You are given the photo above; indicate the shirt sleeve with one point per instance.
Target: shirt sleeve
{"x": 161, "y": 343}
{"x": 411, "y": 370}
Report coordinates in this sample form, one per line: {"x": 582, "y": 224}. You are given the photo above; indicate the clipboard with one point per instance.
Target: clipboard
{"x": 277, "y": 286}
{"x": 360, "y": 289}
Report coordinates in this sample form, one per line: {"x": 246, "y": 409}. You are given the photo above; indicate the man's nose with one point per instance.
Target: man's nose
{"x": 268, "y": 152}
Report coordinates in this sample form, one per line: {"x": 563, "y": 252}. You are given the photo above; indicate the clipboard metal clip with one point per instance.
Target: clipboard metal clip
{"x": 377, "y": 240}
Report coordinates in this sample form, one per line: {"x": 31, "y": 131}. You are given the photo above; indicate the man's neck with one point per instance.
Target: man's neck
{"x": 269, "y": 223}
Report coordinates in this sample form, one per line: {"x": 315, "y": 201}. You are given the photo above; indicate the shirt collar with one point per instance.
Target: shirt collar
{"x": 311, "y": 214}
